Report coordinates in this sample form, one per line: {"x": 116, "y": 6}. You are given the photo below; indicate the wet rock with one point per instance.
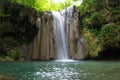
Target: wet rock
{"x": 43, "y": 46}
{"x": 76, "y": 42}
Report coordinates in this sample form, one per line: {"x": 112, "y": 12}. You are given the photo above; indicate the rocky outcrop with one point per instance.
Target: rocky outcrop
{"x": 43, "y": 46}
{"x": 35, "y": 32}
{"x": 76, "y": 42}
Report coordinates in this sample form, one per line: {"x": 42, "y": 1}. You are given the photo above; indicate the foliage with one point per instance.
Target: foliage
{"x": 97, "y": 17}
{"x": 15, "y": 54}
{"x": 45, "y": 5}
{"x": 110, "y": 35}
{"x": 96, "y": 20}
{"x": 115, "y": 11}
{"x": 89, "y": 6}
{"x": 3, "y": 14}
{"x": 93, "y": 43}
{"x": 10, "y": 42}
{"x": 86, "y": 7}
{"x": 93, "y": 21}
{"x": 15, "y": 29}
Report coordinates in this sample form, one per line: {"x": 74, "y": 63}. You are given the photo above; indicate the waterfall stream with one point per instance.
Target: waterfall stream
{"x": 58, "y": 37}
{"x": 61, "y": 21}
{"x": 61, "y": 40}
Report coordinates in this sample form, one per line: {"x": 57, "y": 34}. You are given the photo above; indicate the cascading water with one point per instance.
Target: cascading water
{"x": 58, "y": 37}
{"x": 61, "y": 41}
{"x": 60, "y": 23}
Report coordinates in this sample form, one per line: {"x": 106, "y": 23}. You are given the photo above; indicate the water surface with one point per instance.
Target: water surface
{"x": 78, "y": 70}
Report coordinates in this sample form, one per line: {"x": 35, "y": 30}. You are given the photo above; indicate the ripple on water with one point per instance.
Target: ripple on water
{"x": 58, "y": 73}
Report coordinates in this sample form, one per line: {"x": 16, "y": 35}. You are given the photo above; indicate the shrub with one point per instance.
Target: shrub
{"x": 96, "y": 21}
{"x": 93, "y": 43}
{"x": 87, "y": 6}
{"x": 15, "y": 54}
{"x": 110, "y": 35}
{"x": 93, "y": 21}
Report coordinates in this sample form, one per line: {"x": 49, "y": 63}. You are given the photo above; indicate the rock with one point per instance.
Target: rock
{"x": 76, "y": 42}
{"x": 43, "y": 46}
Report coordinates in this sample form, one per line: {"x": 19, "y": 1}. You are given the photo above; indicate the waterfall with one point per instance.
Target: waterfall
{"x": 60, "y": 37}
{"x": 61, "y": 21}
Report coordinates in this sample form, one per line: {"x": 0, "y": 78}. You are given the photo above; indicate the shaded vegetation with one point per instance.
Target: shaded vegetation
{"x": 18, "y": 23}
{"x": 16, "y": 28}
{"x": 101, "y": 27}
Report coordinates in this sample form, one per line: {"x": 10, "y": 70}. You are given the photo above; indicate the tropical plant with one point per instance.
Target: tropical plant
{"x": 110, "y": 35}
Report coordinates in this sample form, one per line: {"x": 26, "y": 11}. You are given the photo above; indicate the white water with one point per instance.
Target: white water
{"x": 60, "y": 21}
{"x": 60, "y": 38}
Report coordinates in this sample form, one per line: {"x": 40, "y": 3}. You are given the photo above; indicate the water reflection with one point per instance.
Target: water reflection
{"x": 57, "y": 73}
{"x": 81, "y": 70}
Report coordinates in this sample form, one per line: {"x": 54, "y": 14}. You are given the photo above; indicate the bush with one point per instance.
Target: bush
{"x": 15, "y": 54}
{"x": 93, "y": 21}
{"x": 110, "y": 35}
{"x": 96, "y": 21}
{"x": 93, "y": 43}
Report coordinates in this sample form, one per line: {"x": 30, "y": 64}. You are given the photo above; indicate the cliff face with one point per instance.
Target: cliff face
{"x": 16, "y": 28}
{"x": 76, "y": 42}
{"x": 32, "y": 33}
{"x": 42, "y": 47}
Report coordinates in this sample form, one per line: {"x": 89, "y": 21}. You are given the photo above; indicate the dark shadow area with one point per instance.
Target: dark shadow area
{"x": 16, "y": 28}
{"x": 110, "y": 53}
